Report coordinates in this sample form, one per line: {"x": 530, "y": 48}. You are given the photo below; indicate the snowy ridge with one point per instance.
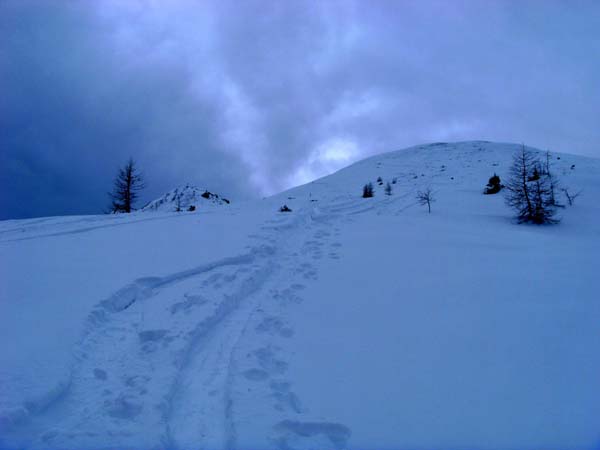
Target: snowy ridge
{"x": 185, "y": 198}
{"x": 346, "y": 323}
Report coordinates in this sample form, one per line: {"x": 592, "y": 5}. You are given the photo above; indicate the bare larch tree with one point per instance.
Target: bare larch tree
{"x": 528, "y": 192}
{"x": 426, "y": 198}
{"x": 127, "y": 184}
{"x": 571, "y": 196}
{"x": 552, "y": 181}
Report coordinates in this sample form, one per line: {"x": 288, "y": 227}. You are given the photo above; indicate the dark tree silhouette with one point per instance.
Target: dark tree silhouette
{"x": 388, "y": 189}
{"x": 552, "y": 180}
{"x": 127, "y": 184}
{"x": 571, "y": 196}
{"x": 494, "y": 186}
{"x": 426, "y": 198}
{"x": 527, "y": 192}
{"x": 535, "y": 175}
{"x": 368, "y": 190}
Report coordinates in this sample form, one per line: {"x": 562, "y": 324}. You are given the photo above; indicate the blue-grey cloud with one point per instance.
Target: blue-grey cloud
{"x": 247, "y": 98}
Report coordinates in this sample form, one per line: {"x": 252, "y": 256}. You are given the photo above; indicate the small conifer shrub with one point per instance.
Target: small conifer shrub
{"x": 494, "y": 186}
{"x": 368, "y": 190}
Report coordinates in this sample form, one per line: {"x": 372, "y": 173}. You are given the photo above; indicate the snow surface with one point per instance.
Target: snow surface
{"x": 346, "y": 323}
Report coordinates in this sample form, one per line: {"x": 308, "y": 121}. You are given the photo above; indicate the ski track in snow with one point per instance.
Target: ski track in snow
{"x": 179, "y": 335}
{"x": 204, "y": 371}
{"x": 197, "y": 364}
{"x": 301, "y": 248}
{"x": 32, "y": 225}
{"x": 266, "y": 365}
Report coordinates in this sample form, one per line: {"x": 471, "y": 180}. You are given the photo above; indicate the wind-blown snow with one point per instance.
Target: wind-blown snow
{"x": 347, "y": 323}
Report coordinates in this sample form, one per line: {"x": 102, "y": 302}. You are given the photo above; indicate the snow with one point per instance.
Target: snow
{"x": 346, "y": 323}
{"x": 183, "y": 198}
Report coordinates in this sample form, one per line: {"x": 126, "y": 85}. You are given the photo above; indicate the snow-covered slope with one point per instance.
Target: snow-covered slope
{"x": 346, "y": 323}
{"x": 185, "y": 198}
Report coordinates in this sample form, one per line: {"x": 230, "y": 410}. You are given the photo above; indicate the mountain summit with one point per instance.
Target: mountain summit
{"x": 185, "y": 198}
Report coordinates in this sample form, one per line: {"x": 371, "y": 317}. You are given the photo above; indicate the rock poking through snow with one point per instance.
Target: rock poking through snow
{"x": 185, "y": 198}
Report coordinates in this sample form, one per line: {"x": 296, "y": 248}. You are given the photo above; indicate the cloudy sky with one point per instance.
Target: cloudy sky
{"x": 247, "y": 98}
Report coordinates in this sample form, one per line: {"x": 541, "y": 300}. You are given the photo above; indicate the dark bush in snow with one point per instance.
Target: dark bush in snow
{"x": 388, "y": 189}
{"x": 494, "y": 186}
{"x": 368, "y": 190}
{"x": 379, "y": 181}
{"x": 285, "y": 208}
{"x": 192, "y": 208}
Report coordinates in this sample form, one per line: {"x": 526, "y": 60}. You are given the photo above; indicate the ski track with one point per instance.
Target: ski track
{"x": 205, "y": 370}
{"x": 204, "y": 348}
{"x": 128, "y": 348}
{"x": 80, "y": 230}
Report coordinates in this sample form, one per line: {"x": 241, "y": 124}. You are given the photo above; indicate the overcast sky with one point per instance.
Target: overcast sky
{"x": 246, "y": 98}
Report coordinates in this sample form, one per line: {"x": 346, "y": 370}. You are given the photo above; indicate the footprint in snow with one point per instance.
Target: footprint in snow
{"x": 287, "y": 296}
{"x": 274, "y": 325}
{"x": 267, "y": 360}
{"x": 100, "y": 374}
{"x": 292, "y": 433}
{"x": 285, "y": 398}
{"x": 256, "y": 375}
{"x": 191, "y": 301}
{"x": 123, "y": 407}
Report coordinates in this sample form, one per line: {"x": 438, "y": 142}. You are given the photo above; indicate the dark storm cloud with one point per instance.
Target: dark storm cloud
{"x": 249, "y": 97}
{"x": 76, "y": 106}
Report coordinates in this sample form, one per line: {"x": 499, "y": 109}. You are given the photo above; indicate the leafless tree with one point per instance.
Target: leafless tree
{"x": 552, "y": 180}
{"x": 528, "y": 193}
{"x": 127, "y": 184}
{"x": 426, "y": 198}
{"x": 570, "y": 196}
